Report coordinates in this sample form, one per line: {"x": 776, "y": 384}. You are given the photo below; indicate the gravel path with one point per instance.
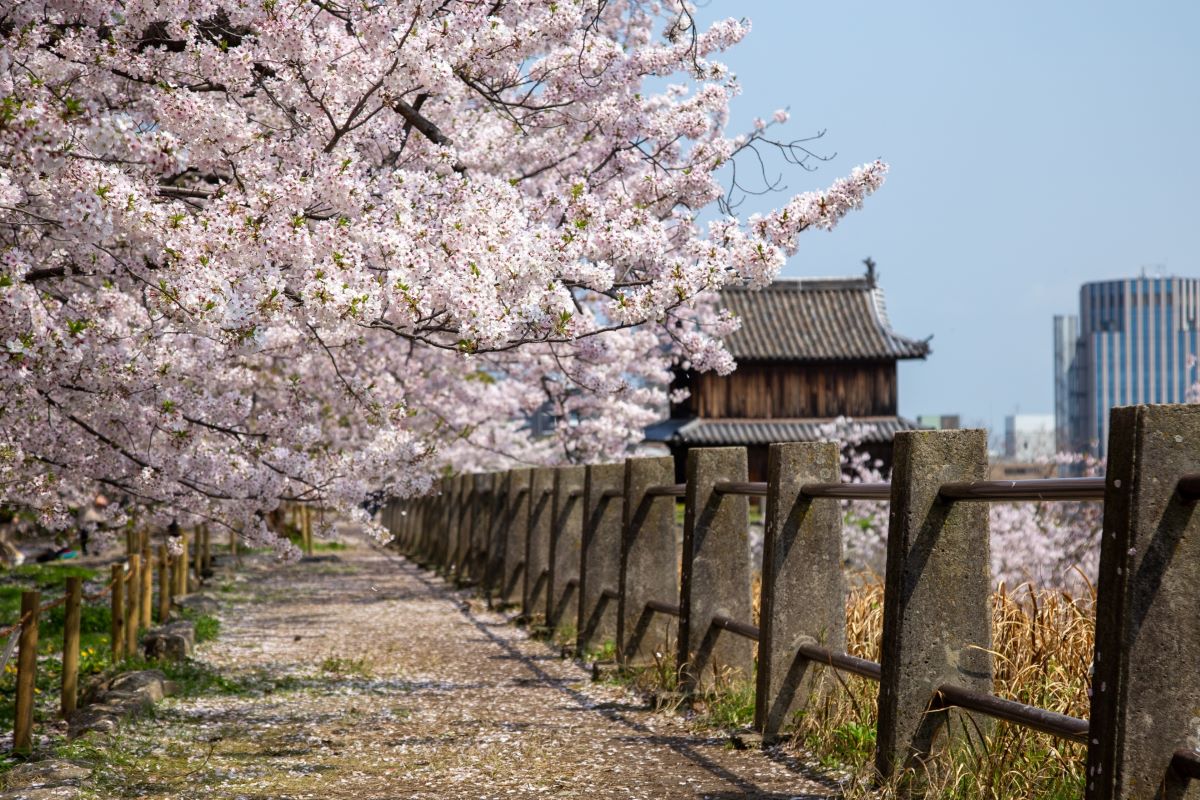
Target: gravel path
{"x": 362, "y": 676}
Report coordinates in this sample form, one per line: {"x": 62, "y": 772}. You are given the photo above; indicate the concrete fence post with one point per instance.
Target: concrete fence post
{"x": 412, "y": 510}
{"x": 516, "y": 525}
{"x": 418, "y": 529}
{"x": 432, "y": 528}
{"x": 715, "y": 581}
{"x": 441, "y": 528}
{"x": 400, "y": 524}
{"x": 427, "y": 531}
{"x": 486, "y": 534}
{"x": 937, "y": 592}
{"x": 408, "y": 525}
{"x": 403, "y": 512}
{"x": 445, "y": 527}
{"x": 537, "y": 544}
{"x": 803, "y": 597}
{"x": 600, "y": 557}
{"x": 1146, "y": 679}
{"x": 566, "y": 539}
{"x": 649, "y": 559}
{"x": 464, "y": 497}
{"x": 450, "y": 513}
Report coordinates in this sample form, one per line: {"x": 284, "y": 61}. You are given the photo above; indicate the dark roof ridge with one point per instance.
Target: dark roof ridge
{"x": 834, "y": 282}
{"x": 816, "y": 319}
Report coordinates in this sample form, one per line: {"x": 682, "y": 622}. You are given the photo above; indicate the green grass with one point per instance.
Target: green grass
{"x": 848, "y": 744}
{"x": 607, "y": 651}
{"x": 338, "y": 665}
{"x": 193, "y": 677}
{"x": 52, "y": 574}
{"x": 205, "y": 626}
{"x": 50, "y": 579}
{"x": 728, "y": 707}
{"x": 564, "y": 636}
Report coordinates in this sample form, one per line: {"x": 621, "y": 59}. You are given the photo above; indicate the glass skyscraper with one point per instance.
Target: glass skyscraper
{"x": 1132, "y": 339}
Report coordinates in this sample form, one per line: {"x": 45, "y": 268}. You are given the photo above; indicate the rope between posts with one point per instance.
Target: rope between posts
{"x": 11, "y": 629}
{"x": 102, "y": 593}
{"x": 53, "y": 604}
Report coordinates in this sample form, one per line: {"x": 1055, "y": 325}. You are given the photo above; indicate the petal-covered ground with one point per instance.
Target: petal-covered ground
{"x": 362, "y": 676}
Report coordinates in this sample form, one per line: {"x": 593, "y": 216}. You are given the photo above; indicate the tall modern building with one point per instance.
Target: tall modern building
{"x": 1132, "y": 339}
{"x": 1066, "y": 332}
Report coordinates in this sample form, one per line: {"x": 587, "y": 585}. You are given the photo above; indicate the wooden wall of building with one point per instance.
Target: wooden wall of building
{"x": 764, "y": 390}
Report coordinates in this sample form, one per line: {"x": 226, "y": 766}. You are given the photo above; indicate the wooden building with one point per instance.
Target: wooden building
{"x": 809, "y": 351}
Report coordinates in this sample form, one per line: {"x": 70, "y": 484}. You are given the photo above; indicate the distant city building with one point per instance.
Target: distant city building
{"x": 1029, "y": 437}
{"x": 1066, "y": 333}
{"x": 939, "y": 422}
{"x": 1132, "y": 341}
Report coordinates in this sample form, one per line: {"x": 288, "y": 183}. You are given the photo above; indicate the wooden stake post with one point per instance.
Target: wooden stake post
{"x": 164, "y": 584}
{"x": 70, "y": 662}
{"x": 117, "y": 630}
{"x": 307, "y": 530}
{"x": 26, "y": 672}
{"x": 147, "y": 585}
{"x": 133, "y": 603}
{"x": 198, "y": 555}
{"x": 205, "y": 555}
{"x": 181, "y": 571}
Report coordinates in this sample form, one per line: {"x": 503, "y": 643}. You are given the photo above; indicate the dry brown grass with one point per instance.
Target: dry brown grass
{"x": 1042, "y": 642}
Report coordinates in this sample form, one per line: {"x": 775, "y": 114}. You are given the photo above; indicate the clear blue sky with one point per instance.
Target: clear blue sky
{"x": 1033, "y": 146}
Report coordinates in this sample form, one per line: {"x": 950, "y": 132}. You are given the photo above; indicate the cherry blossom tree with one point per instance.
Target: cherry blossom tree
{"x": 283, "y": 250}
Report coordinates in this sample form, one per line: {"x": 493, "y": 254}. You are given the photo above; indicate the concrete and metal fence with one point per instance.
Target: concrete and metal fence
{"x": 593, "y": 551}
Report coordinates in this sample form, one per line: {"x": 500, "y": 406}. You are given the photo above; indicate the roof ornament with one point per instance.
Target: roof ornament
{"x": 872, "y": 277}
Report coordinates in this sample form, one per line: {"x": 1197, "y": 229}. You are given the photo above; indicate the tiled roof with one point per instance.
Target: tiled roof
{"x": 816, "y": 319}
{"x": 768, "y": 431}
